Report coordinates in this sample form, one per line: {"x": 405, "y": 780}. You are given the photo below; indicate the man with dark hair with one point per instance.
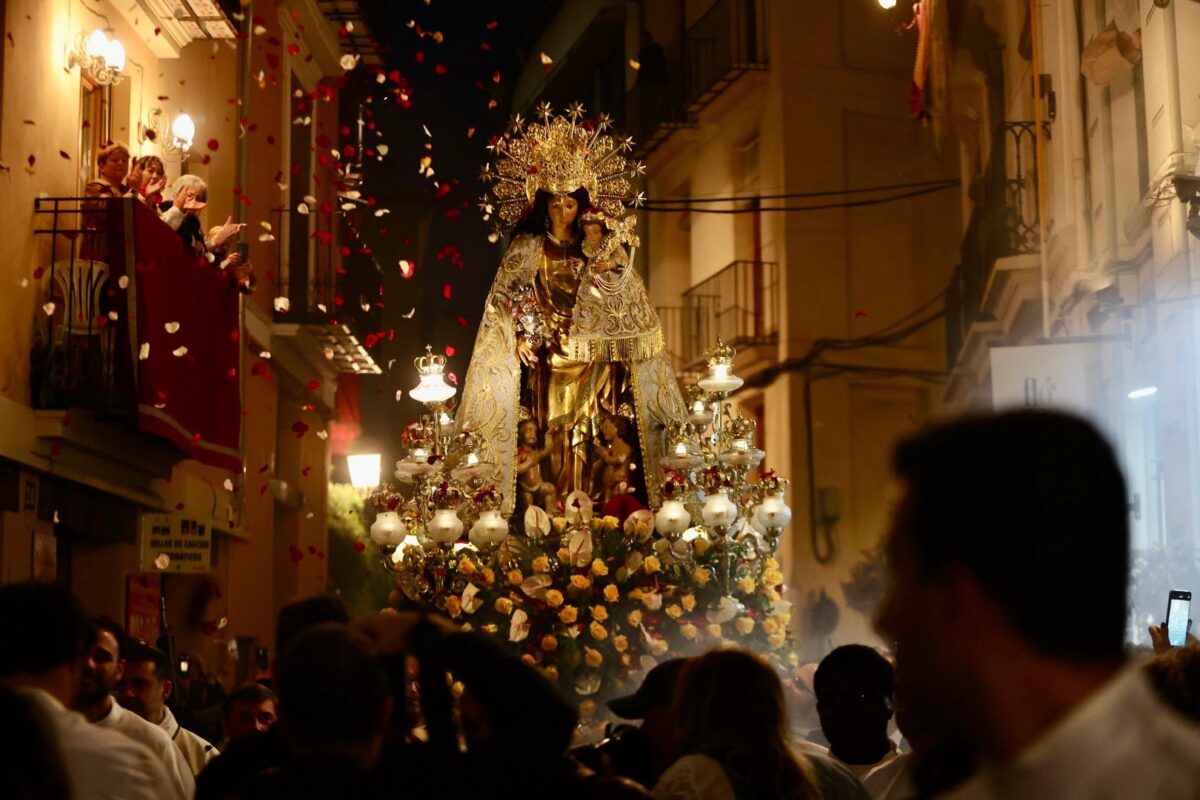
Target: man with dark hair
{"x": 105, "y": 668}
{"x": 144, "y": 689}
{"x": 47, "y": 637}
{"x": 335, "y": 706}
{"x": 854, "y": 686}
{"x": 248, "y": 711}
{"x": 243, "y": 759}
{"x": 1009, "y": 555}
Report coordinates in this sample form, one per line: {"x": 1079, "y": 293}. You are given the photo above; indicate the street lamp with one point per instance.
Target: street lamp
{"x": 887, "y": 5}
{"x": 364, "y": 470}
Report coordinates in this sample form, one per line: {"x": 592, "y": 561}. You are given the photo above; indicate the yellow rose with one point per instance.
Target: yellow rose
{"x": 611, "y": 593}
{"x": 658, "y": 646}
{"x": 592, "y": 657}
{"x": 652, "y": 600}
{"x": 777, "y": 640}
{"x": 611, "y": 523}
{"x": 714, "y": 630}
{"x": 453, "y": 605}
{"x": 528, "y": 659}
{"x": 769, "y": 626}
{"x": 504, "y": 605}
{"x": 564, "y": 554}
{"x": 783, "y": 618}
{"x": 560, "y": 524}
{"x": 620, "y": 644}
{"x": 651, "y": 564}
{"x": 489, "y": 575}
{"x": 581, "y": 581}
{"x": 674, "y": 611}
{"x": 587, "y": 708}
{"x": 744, "y": 625}
{"x": 689, "y": 603}
{"x": 568, "y": 615}
{"x": 635, "y": 594}
{"x": 516, "y": 578}
{"x": 700, "y": 545}
{"x": 641, "y": 529}
{"x": 541, "y": 564}
{"x": 689, "y": 631}
{"x": 466, "y": 567}
{"x": 770, "y": 563}
{"x": 554, "y": 598}
{"x": 598, "y": 631}
{"x": 626, "y": 660}
{"x": 772, "y": 577}
{"x": 635, "y": 618}
{"x": 700, "y": 576}
{"x": 490, "y": 627}
{"x": 549, "y": 643}
{"x": 746, "y": 585}
{"x": 599, "y": 568}
{"x": 600, "y": 613}
{"x": 551, "y": 672}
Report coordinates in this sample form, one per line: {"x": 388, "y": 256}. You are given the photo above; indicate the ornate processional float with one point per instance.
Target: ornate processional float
{"x": 576, "y": 503}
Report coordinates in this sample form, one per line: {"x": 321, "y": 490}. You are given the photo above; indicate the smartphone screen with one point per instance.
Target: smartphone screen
{"x": 1179, "y": 605}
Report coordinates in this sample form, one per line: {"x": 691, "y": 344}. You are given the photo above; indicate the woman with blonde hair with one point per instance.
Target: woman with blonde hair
{"x": 732, "y": 723}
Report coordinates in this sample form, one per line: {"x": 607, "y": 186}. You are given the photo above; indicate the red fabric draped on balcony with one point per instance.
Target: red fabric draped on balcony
{"x": 190, "y": 397}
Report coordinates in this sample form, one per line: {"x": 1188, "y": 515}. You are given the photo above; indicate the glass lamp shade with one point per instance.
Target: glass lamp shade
{"x": 444, "y": 526}
{"x": 700, "y": 414}
{"x": 96, "y": 45}
{"x": 183, "y": 130}
{"x": 387, "y": 530}
{"x": 672, "y": 518}
{"x": 445, "y": 422}
{"x": 719, "y": 511}
{"x": 773, "y": 512}
{"x": 720, "y": 379}
{"x": 364, "y": 470}
{"x": 114, "y": 55}
{"x": 489, "y": 529}
{"x": 432, "y": 388}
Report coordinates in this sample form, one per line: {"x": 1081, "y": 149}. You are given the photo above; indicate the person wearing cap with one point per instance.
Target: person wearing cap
{"x": 643, "y": 753}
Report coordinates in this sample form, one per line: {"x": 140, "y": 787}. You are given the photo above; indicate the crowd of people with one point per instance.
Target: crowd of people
{"x": 1009, "y": 677}
{"x": 120, "y": 175}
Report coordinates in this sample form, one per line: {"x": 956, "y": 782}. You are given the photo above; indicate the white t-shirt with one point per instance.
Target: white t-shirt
{"x": 1122, "y": 742}
{"x": 154, "y": 738}
{"x": 101, "y": 763}
{"x": 196, "y": 750}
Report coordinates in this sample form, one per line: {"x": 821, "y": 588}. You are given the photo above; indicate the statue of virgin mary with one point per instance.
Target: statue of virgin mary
{"x": 528, "y": 363}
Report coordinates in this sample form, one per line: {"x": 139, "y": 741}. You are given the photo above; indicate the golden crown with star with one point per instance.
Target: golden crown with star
{"x": 559, "y": 155}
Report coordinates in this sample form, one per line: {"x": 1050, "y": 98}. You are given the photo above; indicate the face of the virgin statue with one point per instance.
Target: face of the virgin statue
{"x": 563, "y": 210}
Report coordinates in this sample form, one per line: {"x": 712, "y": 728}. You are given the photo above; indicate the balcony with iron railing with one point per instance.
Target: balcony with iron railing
{"x": 135, "y": 350}
{"x": 726, "y": 42}
{"x": 331, "y": 298}
{"x": 1001, "y": 241}
{"x": 739, "y": 305}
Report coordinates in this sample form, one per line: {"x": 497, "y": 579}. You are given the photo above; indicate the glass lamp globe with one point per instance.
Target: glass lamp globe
{"x": 672, "y": 518}
{"x": 183, "y": 131}
{"x": 432, "y": 386}
{"x": 489, "y": 529}
{"x": 444, "y": 526}
{"x": 114, "y": 55}
{"x": 387, "y": 530}
{"x": 719, "y": 511}
{"x": 719, "y": 378}
{"x": 96, "y": 45}
{"x": 773, "y": 512}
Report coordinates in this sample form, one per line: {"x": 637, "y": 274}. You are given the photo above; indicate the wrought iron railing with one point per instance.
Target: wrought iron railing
{"x": 739, "y": 304}
{"x": 1004, "y": 223}
{"x": 74, "y": 361}
{"x": 726, "y": 41}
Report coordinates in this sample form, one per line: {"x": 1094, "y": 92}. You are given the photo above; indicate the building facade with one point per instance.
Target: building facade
{"x": 1078, "y": 278}
{"x": 763, "y": 126}
{"x": 82, "y": 488}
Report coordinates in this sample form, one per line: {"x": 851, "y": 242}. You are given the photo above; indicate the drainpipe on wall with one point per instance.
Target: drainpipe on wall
{"x": 1039, "y": 159}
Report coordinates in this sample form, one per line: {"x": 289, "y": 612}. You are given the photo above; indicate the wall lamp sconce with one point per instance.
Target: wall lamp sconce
{"x": 175, "y": 139}
{"x": 101, "y": 58}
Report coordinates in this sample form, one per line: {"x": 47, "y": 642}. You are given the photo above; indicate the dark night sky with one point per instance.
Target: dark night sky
{"x": 448, "y": 101}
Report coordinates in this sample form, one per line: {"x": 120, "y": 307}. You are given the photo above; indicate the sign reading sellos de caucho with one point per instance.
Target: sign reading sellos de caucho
{"x": 174, "y": 543}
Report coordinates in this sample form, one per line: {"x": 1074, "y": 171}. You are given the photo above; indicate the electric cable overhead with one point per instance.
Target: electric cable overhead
{"x": 753, "y": 209}
{"x": 799, "y": 195}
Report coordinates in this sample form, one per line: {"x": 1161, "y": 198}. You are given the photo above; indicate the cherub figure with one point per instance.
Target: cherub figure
{"x": 531, "y": 478}
{"x": 613, "y": 454}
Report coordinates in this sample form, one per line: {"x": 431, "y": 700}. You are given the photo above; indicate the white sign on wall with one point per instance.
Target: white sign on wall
{"x": 1051, "y": 376}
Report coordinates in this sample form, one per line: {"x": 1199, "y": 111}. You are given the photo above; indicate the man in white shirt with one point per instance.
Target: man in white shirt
{"x": 104, "y": 668}
{"x": 144, "y": 688}
{"x": 46, "y": 638}
{"x": 854, "y": 686}
{"x": 1009, "y": 557}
